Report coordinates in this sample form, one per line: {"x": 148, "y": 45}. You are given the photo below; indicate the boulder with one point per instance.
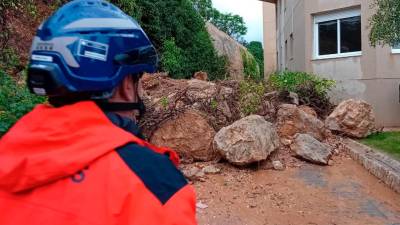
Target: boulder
{"x": 226, "y": 46}
{"x": 307, "y": 109}
{"x": 310, "y": 149}
{"x": 354, "y": 118}
{"x": 189, "y": 134}
{"x": 201, "y": 76}
{"x": 248, "y": 140}
{"x": 292, "y": 120}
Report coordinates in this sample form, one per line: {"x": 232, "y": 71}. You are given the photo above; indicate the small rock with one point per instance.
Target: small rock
{"x": 252, "y": 205}
{"x": 286, "y": 141}
{"x": 271, "y": 95}
{"x": 307, "y": 109}
{"x": 278, "y": 165}
{"x": 201, "y": 205}
{"x": 193, "y": 173}
{"x": 330, "y": 163}
{"x": 294, "y": 98}
{"x": 309, "y": 148}
{"x": 201, "y": 76}
{"x": 211, "y": 169}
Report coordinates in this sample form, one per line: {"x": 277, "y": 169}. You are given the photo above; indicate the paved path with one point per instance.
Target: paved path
{"x": 341, "y": 194}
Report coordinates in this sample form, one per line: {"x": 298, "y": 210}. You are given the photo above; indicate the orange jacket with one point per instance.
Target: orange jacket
{"x": 72, "y": 165}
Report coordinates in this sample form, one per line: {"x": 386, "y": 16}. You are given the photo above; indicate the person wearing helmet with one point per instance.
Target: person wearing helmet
{"x": 80, "y": 160}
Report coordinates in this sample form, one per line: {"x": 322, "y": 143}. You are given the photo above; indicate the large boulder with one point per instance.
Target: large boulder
{"x": 293, "y": 120}
{"x": 227, "y": 46}
{"x": 354, "y": 118}
{"x": 310, "y": 149}
{"x": 248, "y": 140}
{"x": 189, "y": 134}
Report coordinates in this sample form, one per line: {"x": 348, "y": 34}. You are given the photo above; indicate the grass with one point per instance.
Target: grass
{"x": 388, "y": 142}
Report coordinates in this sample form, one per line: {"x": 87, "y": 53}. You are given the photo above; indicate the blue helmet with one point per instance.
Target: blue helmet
{"x": 88, "y": 46}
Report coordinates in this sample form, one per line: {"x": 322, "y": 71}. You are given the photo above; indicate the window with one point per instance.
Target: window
{"x": 396, "y": 48}
{"x": 337, "y": 34}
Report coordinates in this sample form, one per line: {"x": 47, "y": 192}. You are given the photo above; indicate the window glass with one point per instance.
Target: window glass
{"x": 350, "y": 34}
{"x": 397, "y": 46}
{"x": 328, "y": 37}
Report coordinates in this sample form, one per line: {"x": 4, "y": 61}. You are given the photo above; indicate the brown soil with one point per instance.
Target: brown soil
{"x": 21, "y": 26}
{"x": 344, "y": 193}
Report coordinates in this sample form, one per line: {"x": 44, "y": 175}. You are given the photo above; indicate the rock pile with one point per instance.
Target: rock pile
{"x": 202, "y": 121}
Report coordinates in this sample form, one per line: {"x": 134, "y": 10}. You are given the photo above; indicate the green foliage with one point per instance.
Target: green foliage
{"x": 214, "y": 104}
{"x": 31, "y": 8}
{"x": 164, "y": 102}
{"x": 129, "y": 6}
{"x": 231, "y": 24}
{"x": 204, "y": 7}
{"x": 173, "y": 60}
{"x": 385, "y": 23}
{"x": 250, "y": 96}
{"x": 256, "y": 49}
{"x": 250, "y": 66}
{"x": 177, "y": 20}
{"x": 296, "y": 81}
{"x": 311, "y": 89}
{"x": 15, "y": 101}
{"x": 386, "y": 141}
{"x": 9, "y": 60}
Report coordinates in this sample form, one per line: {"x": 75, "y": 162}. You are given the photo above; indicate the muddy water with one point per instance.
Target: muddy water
{"x": 341, "y": 194}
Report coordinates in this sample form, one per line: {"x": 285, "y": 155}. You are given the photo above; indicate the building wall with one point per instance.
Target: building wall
{"x": 269, "y": 11}
{"x": 374, "y": 76}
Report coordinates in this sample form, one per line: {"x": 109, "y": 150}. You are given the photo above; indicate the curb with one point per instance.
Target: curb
{"x": 378, "y": 164}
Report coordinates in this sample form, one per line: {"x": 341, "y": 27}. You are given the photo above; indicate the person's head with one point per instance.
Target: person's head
{"x": 90, "y": 50}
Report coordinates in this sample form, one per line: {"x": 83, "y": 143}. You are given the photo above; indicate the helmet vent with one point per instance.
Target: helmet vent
{"x": 104, "y": 4}
{"x": 90, "y": 3}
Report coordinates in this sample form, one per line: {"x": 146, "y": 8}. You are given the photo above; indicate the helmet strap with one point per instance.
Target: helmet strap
{"x": 122, "y": 106}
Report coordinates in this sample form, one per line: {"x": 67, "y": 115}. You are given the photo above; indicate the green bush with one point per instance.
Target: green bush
{"x": 250, "y": 96}
{"x": 256, "y": 49}
{"x": 9, "y": 60}
{"x": 173, "y": 60}
{"x": 15, "y": 101}
{"x": 311, "y": 89}
{"x": 296, "y": 81}
{"x": 250, "y": 66}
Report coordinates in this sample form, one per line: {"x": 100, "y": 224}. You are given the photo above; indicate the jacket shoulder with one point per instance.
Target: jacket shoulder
{"x": 156, "y": 171}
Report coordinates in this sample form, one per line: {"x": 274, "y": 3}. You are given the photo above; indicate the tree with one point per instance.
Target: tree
{"x": 385, "y": 23}
{"x": 233, "y": 25}
{"x": 179, "y": 34}
{"x": 204, "y": 7}
{"x": 256, "y": 49}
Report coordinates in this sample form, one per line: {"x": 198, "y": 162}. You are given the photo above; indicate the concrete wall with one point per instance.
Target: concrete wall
{"x": 374, "y": 76}
{"x": 269, "y": 38}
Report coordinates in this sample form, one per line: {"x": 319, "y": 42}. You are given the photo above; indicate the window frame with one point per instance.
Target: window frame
{"x": 338, "y": 15}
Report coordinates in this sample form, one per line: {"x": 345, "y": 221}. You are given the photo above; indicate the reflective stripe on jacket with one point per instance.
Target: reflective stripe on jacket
{"x": 72, "y": 165}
